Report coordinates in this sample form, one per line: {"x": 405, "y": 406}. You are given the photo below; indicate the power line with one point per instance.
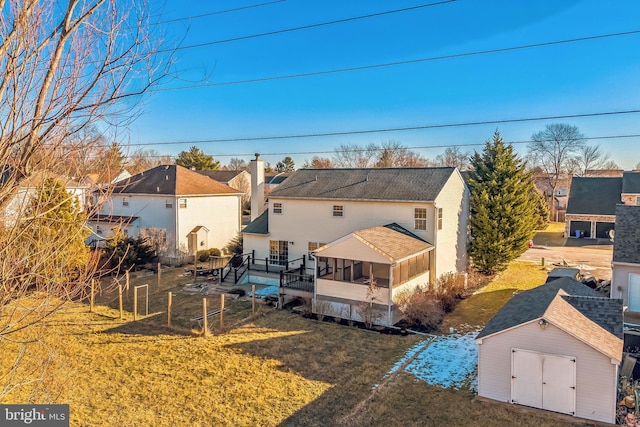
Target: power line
{"x": 395, "y": 129}
{"x": 405, "y": 62}
{"x": 220, "y": 12}
{"x": 306, "y": 27}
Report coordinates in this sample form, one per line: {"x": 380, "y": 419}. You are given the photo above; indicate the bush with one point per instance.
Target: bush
{"x": 203, "y": 255}
{"x": 423, "y": 310}
{"x": 449, "y": 290}
{"x": 214, "y": 252}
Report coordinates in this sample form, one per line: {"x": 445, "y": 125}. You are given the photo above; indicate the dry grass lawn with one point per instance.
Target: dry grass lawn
{"x": 276, "y": 368}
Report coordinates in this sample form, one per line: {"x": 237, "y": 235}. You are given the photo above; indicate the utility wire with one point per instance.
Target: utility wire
{"x": 409, "y": 61}
{"x": 306, "y": 27}
{"x": 395, "y": 129}
{"x": 220, "y": 12}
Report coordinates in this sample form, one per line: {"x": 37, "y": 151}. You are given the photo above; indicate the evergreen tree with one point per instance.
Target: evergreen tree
{"x": 502, "y": 207}
{"x": 541, "y": 209}
{"x": 53, "y": 219}
{"x": 285, "y": 165}
{"x": 126, "y": 252}
{"x": 196, "y": 159}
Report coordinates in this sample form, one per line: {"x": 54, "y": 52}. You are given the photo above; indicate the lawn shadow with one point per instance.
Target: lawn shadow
{"x": 149, "y": 325}
{"x": 476, "y": 310}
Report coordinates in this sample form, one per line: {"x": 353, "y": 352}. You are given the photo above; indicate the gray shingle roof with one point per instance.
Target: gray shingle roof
{"x": 626, "y": 244}
{"x": 171, "y": 180}
{"x": 594, "y": 196}
{"x": 529, "y": 305}
{"x": 223, "y": 176}
{"x": 631, "y": 182}
{"x": 397, "y": 184}
{"x": 605, "y": 312}
{"x": 259, "y": 225}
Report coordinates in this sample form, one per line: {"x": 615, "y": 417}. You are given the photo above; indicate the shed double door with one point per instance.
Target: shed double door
{"x": 543, "y": 381}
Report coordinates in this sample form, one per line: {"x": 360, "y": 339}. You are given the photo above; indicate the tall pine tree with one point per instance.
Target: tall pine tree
{"x": 503, "y": 211}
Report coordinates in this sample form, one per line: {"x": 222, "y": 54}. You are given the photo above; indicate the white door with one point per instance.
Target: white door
{"x": 634, "y": 292}
{"x": 543, "y": 381}
{"x": 559, "y": 384}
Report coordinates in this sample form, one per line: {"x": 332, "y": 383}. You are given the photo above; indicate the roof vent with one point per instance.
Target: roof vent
{"x": 316, "y": 178}
{"x": 158, "y": 189}
{"x": 166, "y": 177}
{"x": 367, "y": 178}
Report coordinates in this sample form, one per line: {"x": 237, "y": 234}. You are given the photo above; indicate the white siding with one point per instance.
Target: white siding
{"x": 412, "y": 285}
{"x": 451, "y": 240}
{"x": 350, "y": 291}
{"x": 596, "y": 376}
{"x": 620, "y": 278}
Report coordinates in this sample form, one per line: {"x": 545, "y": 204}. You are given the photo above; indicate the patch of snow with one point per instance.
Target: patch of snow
{"x": 418, "y": 347}
{"x": 265, "y": 292}
{"x": 448, "y": 361}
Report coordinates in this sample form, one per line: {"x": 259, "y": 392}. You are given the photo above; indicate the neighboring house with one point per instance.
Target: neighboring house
{"x": 592, "y": 207}
{"x": 394, "y": 228}
{"x": 272, "y": 180}
{"x": 617, "y": 173}
{"x": 557, "y": 200}
{"x": 593, "y": 200}
{"x": 555, "y": 347}
{"x": 240, "y": 180}
{"x": 32, "y": 185}
{"x": 625, "y": 277}
{"x": 190, "y": 211}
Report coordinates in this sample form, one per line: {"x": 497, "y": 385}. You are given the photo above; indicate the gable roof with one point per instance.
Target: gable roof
{"x": 389, "y": 184}
{"x": 223, "y": 176}
{"x": 259, "y": 225}
{"x": 570, "y": 306}
{"x": 626, "y": 244}
{"x": 594, "y": 196}
{"x": 631, "y": 182}
{"x": 171, "y": 180}
{"x": 391, "y": 241}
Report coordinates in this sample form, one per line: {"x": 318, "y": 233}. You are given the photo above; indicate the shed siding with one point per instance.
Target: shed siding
{"x": 596, "y": 376}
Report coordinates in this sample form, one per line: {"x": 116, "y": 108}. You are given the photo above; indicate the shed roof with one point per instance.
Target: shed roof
{"x": 389, "y": 184}
{"x": 626, "y": 244}
{"x": 171, "y": 180}
{"x": 631, "y": 182}
{"x": 594, "y": 195}
{"x": 570, "y": 306}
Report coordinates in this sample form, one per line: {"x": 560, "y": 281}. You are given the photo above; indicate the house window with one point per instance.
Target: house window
{"x": 439, "y": 218}
{"x": 314, "y": 245}
{"x": 125, "y": 201}
{"x": 278, "y": 252}
{"x": 182, "y": 203}
{"x": 277, "y": 208}
{"x": 98, "y": 230}
{"x": 338, "y": 210}
{"x": 420, "y": 217}
{"x": 168, "y": 203}
{"x": 637, "y": 200}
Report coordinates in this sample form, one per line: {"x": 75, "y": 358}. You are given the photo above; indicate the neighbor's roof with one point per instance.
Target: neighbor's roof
{"x": 171, "y": 180}
{"x": 631, "y": 182}
{"x": 394, "y": 184}
{"x": 594, "y": 196}
{"x": 391, "y": 241}
{"x": 223, "y": 176}
{"x": 570, "y": 306}
{"x": 259, "y": 225}
{"x": 275, "y": 179}
{"x": 626, "y": 244}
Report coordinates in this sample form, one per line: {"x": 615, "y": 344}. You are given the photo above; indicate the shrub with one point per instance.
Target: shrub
{"x": 449, "y": 290}
{"x": 423, "y": 310}
{"x": 214, "y": 252}
{"x": 202, "y": 255}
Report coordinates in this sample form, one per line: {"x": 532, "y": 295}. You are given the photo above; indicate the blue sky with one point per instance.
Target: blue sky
{"x": 574, "y": 78}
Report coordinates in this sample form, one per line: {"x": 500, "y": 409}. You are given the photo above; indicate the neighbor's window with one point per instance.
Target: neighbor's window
{"x": 125, "y": 201}
{"x": 168, "y": 203}
{"x": 439, "y": 218}
{"x": 277, "y": 208}
{"x": 315, "y": 245}
{"x": 98, "y": 230}
{"x": 182, "y": 203}
{"x": 637, "y": 200}
{"x": 338, "y": 210}
{"x": 420, "y": 216}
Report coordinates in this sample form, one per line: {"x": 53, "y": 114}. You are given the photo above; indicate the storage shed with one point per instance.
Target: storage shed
{"x": 555, "y": 347}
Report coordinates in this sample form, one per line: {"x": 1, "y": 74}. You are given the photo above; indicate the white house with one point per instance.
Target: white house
{"x": 187, "y": 210}
{"x": 555, "y": 347}
{"x": 396, "y": 228}
{"x": 625, "y": 276}
{"x": 240, "y": 180}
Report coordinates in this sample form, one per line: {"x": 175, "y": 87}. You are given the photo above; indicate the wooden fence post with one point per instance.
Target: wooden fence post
{"x": 120, "y": 300}
{"x": 205, "y": 326}
{"x": 135, "y": 303}
{"x": 158, "y": 275}
{"x": 253, "y": 299}
{"x": 93, "y": 283}
{"x": 169, "y": 309}
{"x": 221, "y": 310}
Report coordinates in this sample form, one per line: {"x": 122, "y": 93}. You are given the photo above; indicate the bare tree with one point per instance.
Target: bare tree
{"x": 142, "y": 160}
{"x": 454, "y": 157}
{"x": 65, "y": 65}
{"x": 354, "y": 156}
{"x": 553, "y": 149}
{"x": 394, "y": 155}
{"x": 588, "y": 157}
{"x": 237, "y": 164}
{"x": 318, "y": 163}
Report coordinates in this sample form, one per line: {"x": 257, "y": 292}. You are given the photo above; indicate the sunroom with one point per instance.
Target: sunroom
{"x": 360, "y": 276}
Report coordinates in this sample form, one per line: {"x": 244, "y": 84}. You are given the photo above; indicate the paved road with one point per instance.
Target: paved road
{"x": 593, "y": 259}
